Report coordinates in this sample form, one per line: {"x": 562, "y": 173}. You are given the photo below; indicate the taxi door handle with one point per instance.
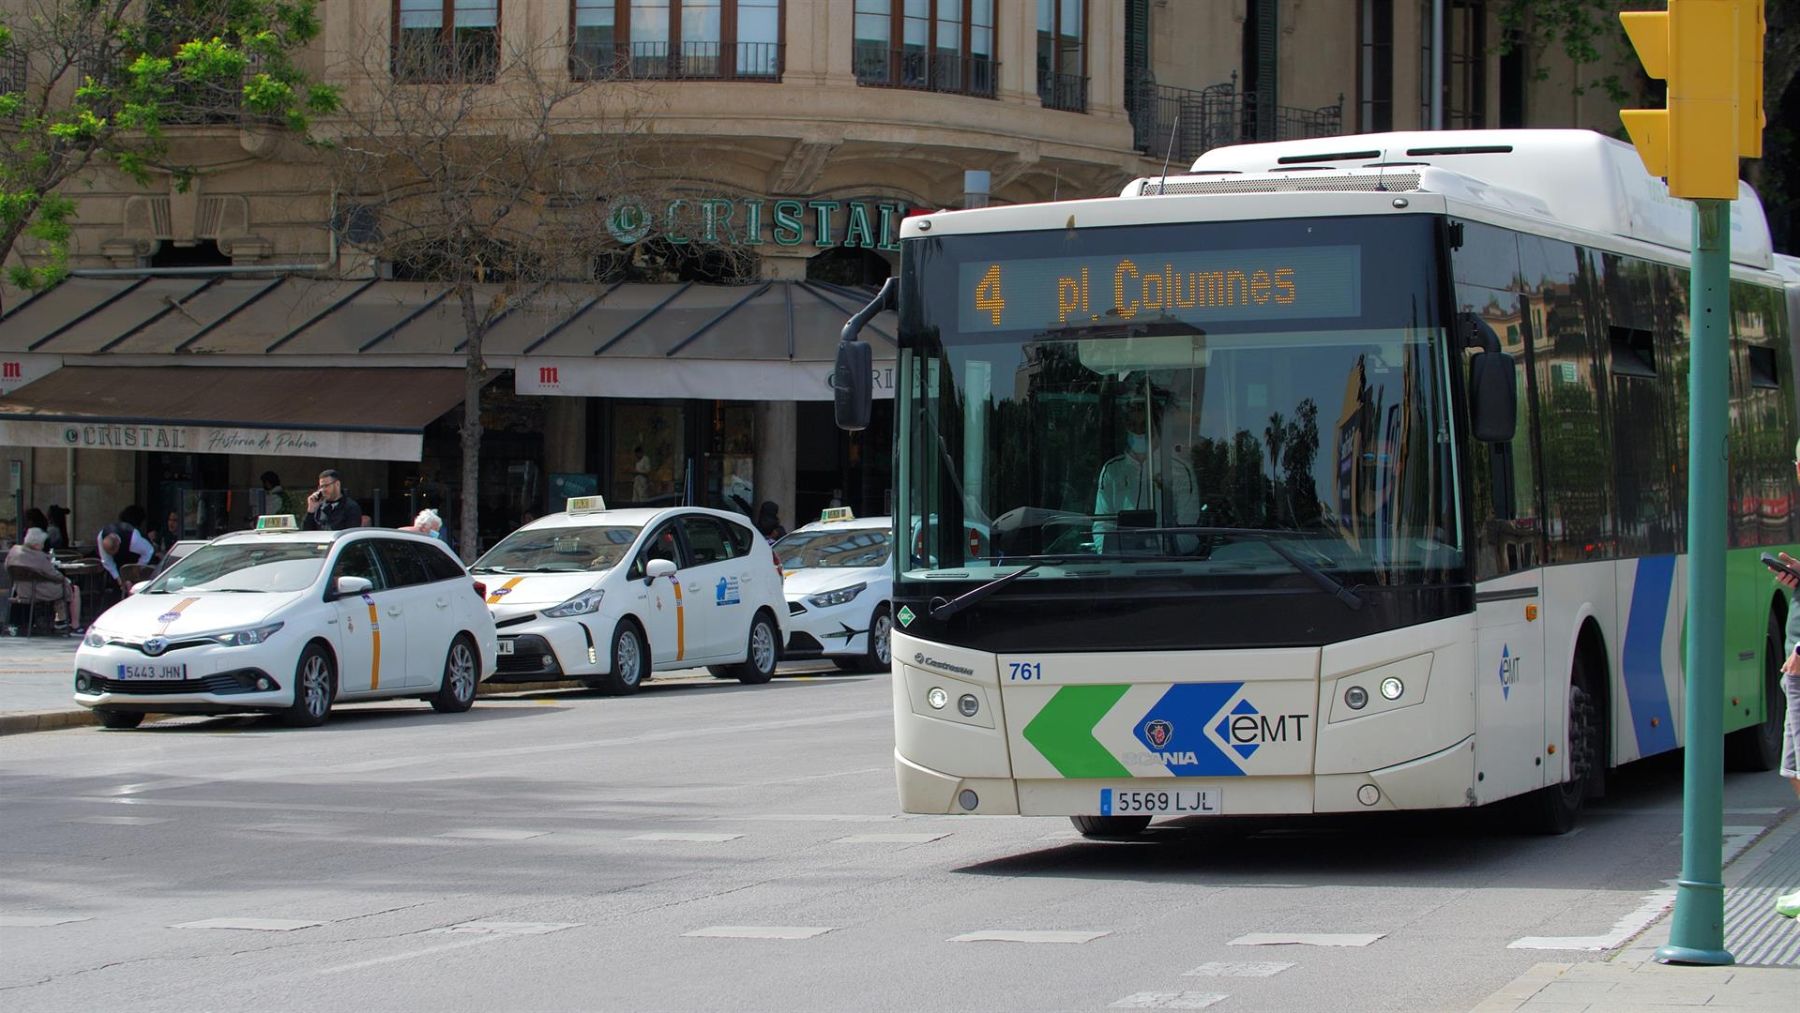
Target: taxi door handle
{"x": 443, "y": 603}
{"x": 393, "y": 610}
{"x": 693, "y": 587}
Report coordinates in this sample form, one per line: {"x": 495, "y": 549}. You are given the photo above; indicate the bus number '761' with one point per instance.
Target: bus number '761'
{"x": 1025, "y": 671}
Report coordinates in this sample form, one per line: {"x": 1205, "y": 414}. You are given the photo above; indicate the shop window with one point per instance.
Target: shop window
{"x": 1062, "y": 54}
{"x": 710, "y": 40}
{"x": 926, "y": 45}
{"x": 660, "y": 261}
{"x": 446, "y": 40}
{"x": 649, "y": 455}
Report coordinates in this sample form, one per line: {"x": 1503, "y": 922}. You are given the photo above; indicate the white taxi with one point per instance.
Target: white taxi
{"x": 837, "y": 579}
{"x": 609, "y": 597}
{"x": 289, "y": 622}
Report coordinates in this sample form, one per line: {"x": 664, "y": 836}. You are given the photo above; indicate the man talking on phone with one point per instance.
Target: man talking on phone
{"x": 328, "y": 509}
{"x": 1789, "y": 905}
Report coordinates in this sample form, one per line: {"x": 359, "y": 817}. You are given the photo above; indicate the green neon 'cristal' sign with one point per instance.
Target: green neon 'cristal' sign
{"x": 756, "y": 221}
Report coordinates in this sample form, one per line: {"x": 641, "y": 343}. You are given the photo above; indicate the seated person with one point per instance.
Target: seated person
{"x": 48, "y": 584}
{"x": 1162, "y": 492}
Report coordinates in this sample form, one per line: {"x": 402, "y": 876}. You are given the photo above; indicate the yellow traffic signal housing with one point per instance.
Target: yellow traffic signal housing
{"x": 1710, "y": 52}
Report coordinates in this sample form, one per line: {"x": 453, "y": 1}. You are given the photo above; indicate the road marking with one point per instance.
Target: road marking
{"x": 693, "y": 838}
{"x": 890, "y": 838}
{"x": 495, "y": 835}
{"x": 759, "y": 931}
{"x": 303, "y": 829}
{"x": 249, "y": 924}
{"x": 480, "y": 940}
{"x": 1239, "y": 969}
{"x": 1168, "y": 1000}
{"x": 511, "y": 928}
{"x": 119, "y": 821}
{"x": 1651, "y": 909}
{"x": 1028, "y": 936}
{"x": 1307, "y": 939}
{"x": 40, "y": 921}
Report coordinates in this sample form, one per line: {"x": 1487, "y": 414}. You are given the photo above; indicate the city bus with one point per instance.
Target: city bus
{"x": 1328, "y": 476}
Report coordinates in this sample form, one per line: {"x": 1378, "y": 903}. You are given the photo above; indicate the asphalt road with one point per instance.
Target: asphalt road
{"x": 706, "y": 845}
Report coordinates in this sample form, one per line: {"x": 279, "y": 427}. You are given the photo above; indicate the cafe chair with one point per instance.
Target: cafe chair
{"x": 28, "y": 587}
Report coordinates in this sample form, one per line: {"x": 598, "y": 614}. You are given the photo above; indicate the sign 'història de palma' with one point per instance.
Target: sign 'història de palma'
{"x": 756, "y": 221}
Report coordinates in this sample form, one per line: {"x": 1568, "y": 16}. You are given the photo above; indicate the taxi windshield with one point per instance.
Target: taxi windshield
{"x": 559, "y": 550}
{"x": 245, "y": 566}
{"x": 851, "y": 547}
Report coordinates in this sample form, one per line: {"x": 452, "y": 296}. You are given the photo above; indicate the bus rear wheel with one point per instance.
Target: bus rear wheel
{"x": 1110, "y": 826}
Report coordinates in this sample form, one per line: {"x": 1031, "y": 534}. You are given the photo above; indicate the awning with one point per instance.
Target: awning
{"x": 369, "y": 414}
{"x": 767, "y": 341}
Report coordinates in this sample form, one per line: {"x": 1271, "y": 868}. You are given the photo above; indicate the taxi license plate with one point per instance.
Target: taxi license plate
{"x": 1161, "y": 802}
{"x": 164, "y": 672}
{"x": 506, "y": 647}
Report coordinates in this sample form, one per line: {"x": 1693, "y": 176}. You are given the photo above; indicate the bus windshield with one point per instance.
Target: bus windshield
{"x": 1186, "y": 401}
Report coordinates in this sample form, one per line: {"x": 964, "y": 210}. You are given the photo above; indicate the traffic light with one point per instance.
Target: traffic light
{"x": 1710, "y": 52}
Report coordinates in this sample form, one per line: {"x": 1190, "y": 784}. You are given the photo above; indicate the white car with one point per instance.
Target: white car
{"x": 609, "y": 597}
{"x": 289, "y": 622}
{"x": 837, "y": 577}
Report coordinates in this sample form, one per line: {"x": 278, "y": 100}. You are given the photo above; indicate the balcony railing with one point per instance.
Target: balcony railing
{"x": 1181, "y": 124}
{"x": 922, "y": 69}
{"x": 12, "y": 71}
{"x": 423, "y": 56}
{"x": 1067, "y": 92}
{"x": 691, "y": 61}
{"x": 189, "y": 103}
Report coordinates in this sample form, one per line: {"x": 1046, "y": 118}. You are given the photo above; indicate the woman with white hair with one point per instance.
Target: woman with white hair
{"x": 36, "y": 578}
{"x": 428, "y": 522}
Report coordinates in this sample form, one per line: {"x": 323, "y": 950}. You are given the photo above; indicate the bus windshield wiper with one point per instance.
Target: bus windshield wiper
{"x": 944, "y": 609}
{"x": 1326, "y": 582}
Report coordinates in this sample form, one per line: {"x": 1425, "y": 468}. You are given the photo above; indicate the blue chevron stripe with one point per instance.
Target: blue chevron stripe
{"x": 1646, "y": 691}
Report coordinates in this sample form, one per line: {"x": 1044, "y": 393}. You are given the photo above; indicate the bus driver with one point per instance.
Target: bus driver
{"x": 1146, "y": 481}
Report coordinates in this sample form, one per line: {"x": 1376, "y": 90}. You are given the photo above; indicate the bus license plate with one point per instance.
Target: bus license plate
{"x": 159, "y": 672}
{"x": 506, "y": 646}
{"x": 1161, "y": 802}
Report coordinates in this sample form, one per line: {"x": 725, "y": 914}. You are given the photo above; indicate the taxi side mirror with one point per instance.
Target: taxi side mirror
{"x": 658, "y": 568}
{"x": 349, "y": 586}
{"x": 139, "y": 586}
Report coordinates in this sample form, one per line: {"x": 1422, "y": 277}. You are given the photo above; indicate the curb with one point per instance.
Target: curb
{"x": 18, "y": 723}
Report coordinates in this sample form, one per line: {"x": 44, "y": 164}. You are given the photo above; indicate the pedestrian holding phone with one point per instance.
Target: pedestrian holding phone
{"x": 1787, "y": 573}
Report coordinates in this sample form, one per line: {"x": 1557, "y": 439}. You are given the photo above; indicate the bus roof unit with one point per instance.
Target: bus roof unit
{"x": 1576, "y": 178}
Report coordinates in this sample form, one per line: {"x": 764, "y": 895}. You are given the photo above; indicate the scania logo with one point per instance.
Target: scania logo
{"x": 921, "y": 659}
{"x": 1159, "y": 733}
{"x": 156, "y": 645}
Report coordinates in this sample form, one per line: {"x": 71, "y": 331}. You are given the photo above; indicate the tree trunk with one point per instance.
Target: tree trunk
{"x": 10, "y": 233}
{"x": 474, "y": 378}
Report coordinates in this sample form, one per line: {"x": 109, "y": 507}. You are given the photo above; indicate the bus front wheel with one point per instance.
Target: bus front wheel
{"x": 1110, "y": 826}
{"x": 1557, "y": 806}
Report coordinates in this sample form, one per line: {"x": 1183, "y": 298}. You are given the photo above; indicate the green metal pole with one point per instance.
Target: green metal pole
{"x": 1697, "y": 932}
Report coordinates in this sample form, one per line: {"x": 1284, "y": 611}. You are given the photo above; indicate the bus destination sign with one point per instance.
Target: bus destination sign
{"x": 1191, "y": 286}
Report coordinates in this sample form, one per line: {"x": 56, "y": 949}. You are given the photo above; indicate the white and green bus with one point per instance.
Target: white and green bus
{"x": 1337, "y": 475}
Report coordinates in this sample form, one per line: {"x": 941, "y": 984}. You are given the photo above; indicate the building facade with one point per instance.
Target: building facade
{"x": 229, "y": 322}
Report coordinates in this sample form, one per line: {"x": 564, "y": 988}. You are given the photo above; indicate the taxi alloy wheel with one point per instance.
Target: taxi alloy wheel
{"x": 457, "y": 693}
{"x": 881, "y": 632}
{"x": 314, "y": 684}
{"x": 628, "y": 660}
{"x": 760, "y": 654}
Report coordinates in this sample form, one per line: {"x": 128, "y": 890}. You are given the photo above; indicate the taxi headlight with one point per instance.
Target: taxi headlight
{"x": 580, "y": 605}
{"x": 94, "y": 639}
{"x": 841, "y": 596}
{"x": 246, "y": 637}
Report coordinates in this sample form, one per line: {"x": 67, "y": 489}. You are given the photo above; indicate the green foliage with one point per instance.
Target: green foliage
{"x": 105, "y": 87}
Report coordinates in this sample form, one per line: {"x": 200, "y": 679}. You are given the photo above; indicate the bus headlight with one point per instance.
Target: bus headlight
{"x": 937, "y": 698}
{"x": 1391, "y": 688}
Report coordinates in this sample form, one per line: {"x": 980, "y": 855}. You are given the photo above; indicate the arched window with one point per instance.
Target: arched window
{"x": 660, "y": 261}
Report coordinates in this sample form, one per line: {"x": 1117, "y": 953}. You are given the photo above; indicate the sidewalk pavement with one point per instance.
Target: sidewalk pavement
{"x": 37, "y": 684}
{"x": 1765, "y": 945}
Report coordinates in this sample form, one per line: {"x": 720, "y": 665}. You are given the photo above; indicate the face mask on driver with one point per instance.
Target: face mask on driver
{"x": 1137, "y": 443}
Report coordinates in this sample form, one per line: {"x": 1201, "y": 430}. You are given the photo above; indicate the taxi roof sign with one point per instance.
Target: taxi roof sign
{"x": 586, "y": 504}
{"x": 830, "y": 514}
{"x": 277, "y": 522}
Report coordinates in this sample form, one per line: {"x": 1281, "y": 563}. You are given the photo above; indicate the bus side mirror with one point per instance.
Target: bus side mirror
{"x": 1493, "y": 397}
{"x": 852, "y": 385}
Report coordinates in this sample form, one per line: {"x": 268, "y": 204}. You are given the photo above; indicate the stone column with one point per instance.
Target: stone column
{"x": 777, "y": 427}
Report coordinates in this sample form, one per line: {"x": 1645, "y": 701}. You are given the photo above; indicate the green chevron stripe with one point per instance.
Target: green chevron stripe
{"x": 1064, "y": 731}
